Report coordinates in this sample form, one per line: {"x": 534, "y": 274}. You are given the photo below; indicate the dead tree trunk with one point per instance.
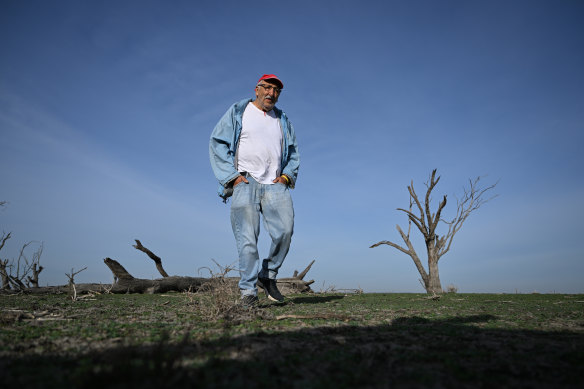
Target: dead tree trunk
{"x": 4, "y": 274}
{"x": 34, "y": 280}
{"x": 296, "y": 283}
{"x": 433, "y": 285}
{"x": 4, "y": 263}
{"x": 427, "y": 222}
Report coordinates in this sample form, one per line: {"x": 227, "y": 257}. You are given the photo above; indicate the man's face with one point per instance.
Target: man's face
{"x": 267, "y": 93}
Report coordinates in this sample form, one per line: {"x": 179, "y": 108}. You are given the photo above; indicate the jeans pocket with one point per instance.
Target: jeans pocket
{"x": 240, "y": 187}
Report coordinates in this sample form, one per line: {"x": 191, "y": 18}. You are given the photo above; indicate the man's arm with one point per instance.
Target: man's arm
{"x": 290, "y": 169}
{"x": 220, "y": 154}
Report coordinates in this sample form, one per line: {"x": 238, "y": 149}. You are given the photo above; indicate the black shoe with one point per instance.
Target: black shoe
{"x": 249, "y": 301}
{"x": 269, "y": 286}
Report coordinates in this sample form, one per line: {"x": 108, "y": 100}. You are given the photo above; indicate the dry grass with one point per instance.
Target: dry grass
{"x": 451, "y": 288}
{"x": 219, "y": 299}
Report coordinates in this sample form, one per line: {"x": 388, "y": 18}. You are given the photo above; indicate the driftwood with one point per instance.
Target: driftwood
{"x": 124, "y": 282}
{"x": 296, "y": 283}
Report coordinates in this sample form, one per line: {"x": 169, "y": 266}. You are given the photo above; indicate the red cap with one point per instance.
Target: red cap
{"x": 272, "y": 77}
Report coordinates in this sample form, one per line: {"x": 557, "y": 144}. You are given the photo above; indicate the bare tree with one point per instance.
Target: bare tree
{"x": 427, "y": 222}
{"x": 4, "y": 263}
{"x": 25, "y": 270}
{"x": 35, "y": 268}
{"x": 71, "y": 277}
{"x": 16, "y": 278}
{"x": 15, "y": 273}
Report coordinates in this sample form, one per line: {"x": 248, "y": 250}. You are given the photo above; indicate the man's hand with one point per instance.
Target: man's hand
{"x": 280, "y": 180}
{"x": 239, "y": 180}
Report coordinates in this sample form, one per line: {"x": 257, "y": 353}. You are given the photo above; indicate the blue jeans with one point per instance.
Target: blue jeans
{"x": 275, "y": 204}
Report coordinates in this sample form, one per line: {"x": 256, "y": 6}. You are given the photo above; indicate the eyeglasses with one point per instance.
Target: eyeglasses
{"x": 269, "y": 88}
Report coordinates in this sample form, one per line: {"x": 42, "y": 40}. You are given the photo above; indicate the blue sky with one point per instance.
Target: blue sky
{"x": 106, "y": 110}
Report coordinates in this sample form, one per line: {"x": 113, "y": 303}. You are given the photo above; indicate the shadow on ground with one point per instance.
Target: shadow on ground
{"x": 409, "y": 352}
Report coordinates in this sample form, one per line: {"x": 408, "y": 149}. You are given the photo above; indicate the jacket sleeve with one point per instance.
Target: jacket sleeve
{"x": 221, "y": 148}
{"x": 292, "y": 164}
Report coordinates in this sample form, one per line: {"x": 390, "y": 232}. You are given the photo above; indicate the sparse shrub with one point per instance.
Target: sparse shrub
{"x": 327, "y": 289}
{"x": 219, "y": 298}
{"x": 214, "y": 299}
{"x": 451, "y": 289}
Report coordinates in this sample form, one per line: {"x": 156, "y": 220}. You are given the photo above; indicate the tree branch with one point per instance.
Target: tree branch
{"x": 410, "y": 220}
{"x": 154, "y": 257}
{"x": 416, "y": 220}
{"x": 303, "y": 273}
{"x": 394, "y": 245}
{"x": 72, "y": 282}
{"x": 436, "y": 219}
{"x": 4, "y": 239}
{"x": 118, "y": 270}
{"x": 428, "y": 199}
{"x": 421, "y": 223}
{"x": 412, "y": 253}
{"x": 414, "y": 196}
{"x": 16, "y": 282}
{"x": 472, "y": 199}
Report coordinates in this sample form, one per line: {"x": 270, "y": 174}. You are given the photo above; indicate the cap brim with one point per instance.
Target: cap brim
{"x": 275, "y": 81}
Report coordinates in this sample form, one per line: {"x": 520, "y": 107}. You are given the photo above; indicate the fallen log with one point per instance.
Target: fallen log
{"x": 289, "y": 285}
{"x": 296, "y": 283}
{"x": 124, "y": 282}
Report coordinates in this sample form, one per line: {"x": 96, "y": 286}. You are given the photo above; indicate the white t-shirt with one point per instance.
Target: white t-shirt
{"x": 260, "y": 145}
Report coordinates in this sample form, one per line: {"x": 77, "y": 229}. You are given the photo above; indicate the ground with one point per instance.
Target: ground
{"x": 310, "y": 341}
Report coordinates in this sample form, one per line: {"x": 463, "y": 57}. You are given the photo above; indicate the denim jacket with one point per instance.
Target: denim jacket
{"x": 225, "y": 140}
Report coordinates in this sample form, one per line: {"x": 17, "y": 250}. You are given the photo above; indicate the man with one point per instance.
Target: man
{"x": 255, "y": 158}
